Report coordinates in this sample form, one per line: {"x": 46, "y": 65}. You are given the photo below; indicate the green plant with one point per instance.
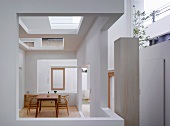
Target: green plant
{"x": 139, "y": 29}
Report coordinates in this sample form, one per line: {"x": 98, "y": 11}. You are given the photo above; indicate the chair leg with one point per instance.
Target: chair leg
{"x": 67, "y": 110}
{"x": 57, "y": 111}
{"x": 28, "y": 109}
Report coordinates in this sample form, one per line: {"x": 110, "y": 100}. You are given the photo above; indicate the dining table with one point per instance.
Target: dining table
{"x": 46, "y": 97}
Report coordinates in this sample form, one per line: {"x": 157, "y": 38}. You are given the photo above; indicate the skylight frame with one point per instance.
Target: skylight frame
{"x": 69, "y": 23}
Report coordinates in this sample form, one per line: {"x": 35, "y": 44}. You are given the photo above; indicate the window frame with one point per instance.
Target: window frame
{"x": 52, "y": 87}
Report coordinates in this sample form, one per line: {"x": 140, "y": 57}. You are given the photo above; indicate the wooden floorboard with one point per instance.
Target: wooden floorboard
{"x": 49, "y": 112}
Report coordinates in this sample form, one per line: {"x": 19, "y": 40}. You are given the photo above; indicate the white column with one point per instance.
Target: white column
{"x": 104, "y": 68}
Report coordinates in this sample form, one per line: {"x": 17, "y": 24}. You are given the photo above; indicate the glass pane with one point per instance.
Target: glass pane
{"x": 57, "y": 78}
{"x": 65, "y": 22}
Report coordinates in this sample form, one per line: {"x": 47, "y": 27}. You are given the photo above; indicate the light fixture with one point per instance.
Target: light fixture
{"x": 84, "y": 70}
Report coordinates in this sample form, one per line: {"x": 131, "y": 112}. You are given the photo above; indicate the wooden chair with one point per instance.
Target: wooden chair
{"x": 63, "y": 102}
{"x": 32, "y": 102}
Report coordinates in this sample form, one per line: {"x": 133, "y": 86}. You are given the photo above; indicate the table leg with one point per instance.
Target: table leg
{"x": 40, "y": 106}
{"x": 37, "y": 109}
{"x": 56, "y": 107}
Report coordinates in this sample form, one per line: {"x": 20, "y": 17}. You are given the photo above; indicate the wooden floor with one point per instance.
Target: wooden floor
{"x": 49, "y": 112}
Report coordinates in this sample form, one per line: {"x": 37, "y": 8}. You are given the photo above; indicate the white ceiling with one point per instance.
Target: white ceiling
{"x": 71, "y": 41}
{"x": 36, "y": 22}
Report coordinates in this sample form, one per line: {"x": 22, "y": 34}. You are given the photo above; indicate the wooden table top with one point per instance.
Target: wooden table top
{"x": 44, "y": 96}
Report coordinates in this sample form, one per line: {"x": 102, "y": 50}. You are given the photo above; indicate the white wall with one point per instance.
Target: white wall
{"x": 158, "y": 51}
{"x": 31, "y": 69}
{"x": 84, "y": 81}
{"x": 31, "y": 65}
{"x": 159, "y": 27}
{"x": 139, "y": 4}
{"x": 85, "y": 86}
{"x": 122, "y": 27}
{"x": 93, "y": 52}
{"x": 88, "y": 77}
{"x": 44, "y": 75}
{"x": 152, "y": 92}
{"x": 9, "y": 54}
{"x": 21, "y": 78}
{"x": 112, "y": 96}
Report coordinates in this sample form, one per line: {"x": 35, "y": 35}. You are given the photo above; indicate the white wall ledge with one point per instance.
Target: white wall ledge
{"x": 69, "y": 119}
{"x": 111, "y": 114}
{"x": 58, "y": 92}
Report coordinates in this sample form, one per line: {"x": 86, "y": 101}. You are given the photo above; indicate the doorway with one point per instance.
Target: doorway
{"x": 86, "y": 91}
{"x": 20, "y": 89}
{"x": 111, "y": 90}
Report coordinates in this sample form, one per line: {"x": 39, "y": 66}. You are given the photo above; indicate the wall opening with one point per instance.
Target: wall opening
{"x": 86, "y": 91}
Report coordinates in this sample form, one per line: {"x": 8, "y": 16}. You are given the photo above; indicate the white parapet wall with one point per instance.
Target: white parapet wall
{"x": 156, "y": 73}
{"x": 159, "y": 27}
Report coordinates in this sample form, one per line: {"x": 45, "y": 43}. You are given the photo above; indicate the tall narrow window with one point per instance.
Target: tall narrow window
{"x": 57, "y": 78}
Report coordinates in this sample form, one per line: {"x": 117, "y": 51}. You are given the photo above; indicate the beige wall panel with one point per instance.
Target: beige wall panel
{"x": 126, "y": 51}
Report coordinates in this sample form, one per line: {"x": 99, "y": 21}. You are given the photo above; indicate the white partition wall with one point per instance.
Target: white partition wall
{"x": 152, "y": 93}
{"x": 167, "y": 92}
{"x": 158, "y": 51}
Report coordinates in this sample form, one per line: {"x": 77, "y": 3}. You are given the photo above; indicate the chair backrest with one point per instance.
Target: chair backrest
{"x": 64, "y": 98}
{"x": 32, "y": 99}
{"x": 59, "y": 98}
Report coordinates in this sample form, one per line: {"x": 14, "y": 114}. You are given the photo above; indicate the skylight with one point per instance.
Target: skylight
{"x": 65, "y": 22}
